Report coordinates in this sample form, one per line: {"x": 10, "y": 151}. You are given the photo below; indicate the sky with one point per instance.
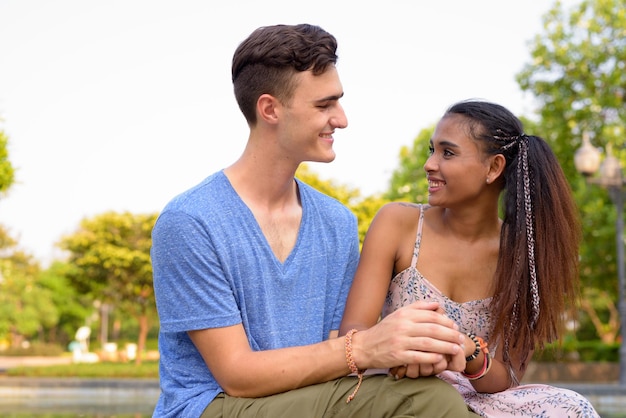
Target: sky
{"x": 119, "y": 105}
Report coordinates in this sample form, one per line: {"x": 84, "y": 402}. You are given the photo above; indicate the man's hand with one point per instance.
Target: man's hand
{"x": 418, "y": 335}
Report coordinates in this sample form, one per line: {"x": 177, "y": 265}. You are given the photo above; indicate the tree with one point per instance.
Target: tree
{"x": 26, "y": 307}
{"x": 577, "y": 73}
{"x": 344, "y": 194}
{"x": 111, "y": 255}
{"x": 74, "y": 309}
{"x": 408, "y": 181}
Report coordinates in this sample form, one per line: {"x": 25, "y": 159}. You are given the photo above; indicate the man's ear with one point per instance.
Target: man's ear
{"x": 267, "y": 108}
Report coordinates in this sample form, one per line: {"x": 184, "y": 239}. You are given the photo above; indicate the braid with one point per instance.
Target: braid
{"x": 523, "y": 205}
{"x": 530, "y": 228}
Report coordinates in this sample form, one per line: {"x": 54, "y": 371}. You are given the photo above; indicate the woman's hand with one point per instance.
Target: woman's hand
{"x": 419, "y": 370}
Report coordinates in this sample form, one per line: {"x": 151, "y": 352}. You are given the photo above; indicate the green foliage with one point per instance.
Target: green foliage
{"x": 344, "y": 194}
{"x": 575, "y": 350}
{"x": 599, "y": 318}
{"x": 73, "y": 308}
{"x": 7, "y": 172}
{"x": 110, "y": 255}
{"x": 408, "y": 181}
{"x": 575, "y": 97}
{"x": 365, "y": 211}
{"x": 26, "y": 307}
{"x": 363, "y": 208}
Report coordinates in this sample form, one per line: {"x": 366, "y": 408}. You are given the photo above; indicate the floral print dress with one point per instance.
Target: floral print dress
{"x": 531, "y": 400}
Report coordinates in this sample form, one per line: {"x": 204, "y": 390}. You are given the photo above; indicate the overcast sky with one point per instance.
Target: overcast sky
{"x": 120, "y": 105}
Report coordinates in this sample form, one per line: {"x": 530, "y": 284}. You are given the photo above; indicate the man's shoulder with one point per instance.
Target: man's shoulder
{"x": 327, "y": 209}
{"x": 199, "y": 192}
{"x": 317, "y": 195}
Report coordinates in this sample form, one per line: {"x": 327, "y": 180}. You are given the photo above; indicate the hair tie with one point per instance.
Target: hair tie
{"x": 509, "y": 141}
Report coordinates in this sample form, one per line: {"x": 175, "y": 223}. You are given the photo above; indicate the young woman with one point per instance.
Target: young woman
{"x": 505, "y": 282}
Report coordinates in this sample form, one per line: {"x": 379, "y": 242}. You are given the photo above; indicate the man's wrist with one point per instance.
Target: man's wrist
{"x": 352, "y": 365}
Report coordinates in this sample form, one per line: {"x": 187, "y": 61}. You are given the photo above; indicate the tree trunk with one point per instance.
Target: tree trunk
{"x": 143, "y": 335}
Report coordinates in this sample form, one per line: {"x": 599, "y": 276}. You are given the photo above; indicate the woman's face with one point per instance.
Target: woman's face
{"x": 457, "y": 168}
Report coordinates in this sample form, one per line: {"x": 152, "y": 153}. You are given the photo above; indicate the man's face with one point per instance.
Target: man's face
{"x": 309, "y": 120}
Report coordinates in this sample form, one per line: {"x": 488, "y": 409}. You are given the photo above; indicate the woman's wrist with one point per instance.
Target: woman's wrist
{"x": 479, "y": 361}
{"x": 472, "y": 347}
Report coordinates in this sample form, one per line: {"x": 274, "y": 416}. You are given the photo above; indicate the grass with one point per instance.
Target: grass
{"x": 147, "y": 370}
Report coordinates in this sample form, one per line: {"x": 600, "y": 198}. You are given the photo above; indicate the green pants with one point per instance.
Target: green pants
{"x": 379, "y": 397}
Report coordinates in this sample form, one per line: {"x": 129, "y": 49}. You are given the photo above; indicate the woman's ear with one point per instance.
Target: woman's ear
{"x": 496, "y": 168}
{"x": 266, "y": 107}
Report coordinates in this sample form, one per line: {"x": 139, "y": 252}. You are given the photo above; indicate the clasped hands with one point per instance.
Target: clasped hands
{"x": 415, "y": 340}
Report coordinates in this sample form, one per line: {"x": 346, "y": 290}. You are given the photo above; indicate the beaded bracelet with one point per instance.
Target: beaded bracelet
{"x": 481, "y": 345}
{"x": 351, "y": 364}
{"x": 477, "y": 351}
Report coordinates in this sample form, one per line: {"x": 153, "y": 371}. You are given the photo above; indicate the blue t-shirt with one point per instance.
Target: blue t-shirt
{"x": 213, "y": 268}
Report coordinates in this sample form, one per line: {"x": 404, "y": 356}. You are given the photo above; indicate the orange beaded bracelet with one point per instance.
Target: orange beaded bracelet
{"x": 351, "y": 364}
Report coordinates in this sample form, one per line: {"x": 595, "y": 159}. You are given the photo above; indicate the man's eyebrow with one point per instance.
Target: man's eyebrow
{"x": 327, "y": 98}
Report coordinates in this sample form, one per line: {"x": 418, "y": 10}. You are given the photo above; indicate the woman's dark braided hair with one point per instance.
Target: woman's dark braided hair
{"x": 537, "y": 272}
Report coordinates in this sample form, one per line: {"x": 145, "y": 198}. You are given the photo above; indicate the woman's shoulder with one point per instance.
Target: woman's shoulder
{"x": 402, "y": 210}
{"x": 400, "y": 206}
{"x": 401, "y": 214}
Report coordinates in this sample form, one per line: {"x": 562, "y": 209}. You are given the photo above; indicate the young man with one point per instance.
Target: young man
{"x": 252, "y": 268}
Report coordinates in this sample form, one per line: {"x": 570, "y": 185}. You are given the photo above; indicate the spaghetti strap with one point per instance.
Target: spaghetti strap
{"x": 418, "y": 237}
